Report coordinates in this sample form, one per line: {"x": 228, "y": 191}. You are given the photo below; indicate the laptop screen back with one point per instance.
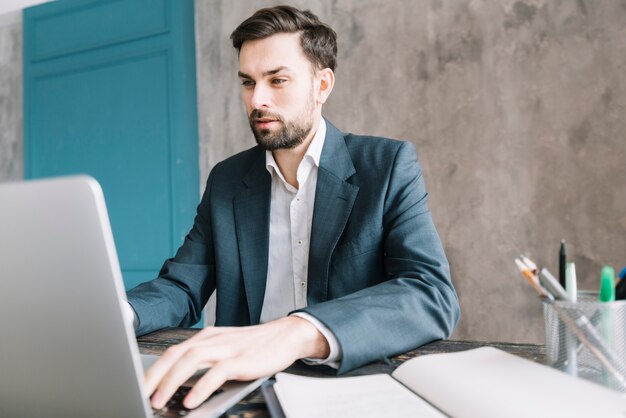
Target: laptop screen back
{"x": 65, "y": 349}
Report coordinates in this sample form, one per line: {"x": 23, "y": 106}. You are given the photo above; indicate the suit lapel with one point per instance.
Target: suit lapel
{"x": 252, "y": 219}
{"x": 334, "y": 199}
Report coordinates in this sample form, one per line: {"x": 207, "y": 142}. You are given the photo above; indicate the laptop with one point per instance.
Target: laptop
{"x": 66, "y": 348}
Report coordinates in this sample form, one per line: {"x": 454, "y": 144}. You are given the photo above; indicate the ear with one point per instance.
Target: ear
{"x": 325, "y": 82}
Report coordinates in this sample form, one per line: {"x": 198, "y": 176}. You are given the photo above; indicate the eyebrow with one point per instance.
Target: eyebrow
{"x": 264, "y": 74}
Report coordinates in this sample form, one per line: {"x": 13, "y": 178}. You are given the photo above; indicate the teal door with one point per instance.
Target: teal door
{"x": 110, "y": 91}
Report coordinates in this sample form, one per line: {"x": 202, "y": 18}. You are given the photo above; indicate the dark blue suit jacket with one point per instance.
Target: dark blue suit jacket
{"x": 378, "y": 277}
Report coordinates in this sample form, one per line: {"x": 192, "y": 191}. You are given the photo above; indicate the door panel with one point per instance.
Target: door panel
{"x": 109, "y": 90}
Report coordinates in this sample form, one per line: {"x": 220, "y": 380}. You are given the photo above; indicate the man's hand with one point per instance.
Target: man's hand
{"x": 238, "y": 353}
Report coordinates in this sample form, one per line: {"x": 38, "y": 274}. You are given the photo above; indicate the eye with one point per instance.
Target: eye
{"x": 278, "y": 81}
{"x": 247, "y": 83}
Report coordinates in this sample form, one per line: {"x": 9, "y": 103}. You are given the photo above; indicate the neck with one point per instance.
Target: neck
{"x": 288, "y": 160}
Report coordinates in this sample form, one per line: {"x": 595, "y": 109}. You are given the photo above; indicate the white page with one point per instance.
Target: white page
{"x": 372, "y": 396}
{"x": 487, "y": 382}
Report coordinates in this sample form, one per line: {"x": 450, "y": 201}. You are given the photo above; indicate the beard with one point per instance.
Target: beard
{"x": 288, "y": 135}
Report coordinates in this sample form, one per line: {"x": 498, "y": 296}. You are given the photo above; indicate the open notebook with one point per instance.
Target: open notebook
{"x": 483, "y": 382}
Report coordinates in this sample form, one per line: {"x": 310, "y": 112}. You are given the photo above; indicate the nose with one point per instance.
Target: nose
{"x": 260, "y": 97}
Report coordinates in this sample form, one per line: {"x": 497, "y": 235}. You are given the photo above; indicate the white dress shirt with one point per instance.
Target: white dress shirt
{"x": 291, "y": 213}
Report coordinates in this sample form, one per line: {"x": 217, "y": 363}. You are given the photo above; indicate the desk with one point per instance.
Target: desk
{"x": 254, "y": 404}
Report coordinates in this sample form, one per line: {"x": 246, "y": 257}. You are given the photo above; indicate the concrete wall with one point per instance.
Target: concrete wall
{"x": 516, "y": 108}
{"x": 11, "y": 166}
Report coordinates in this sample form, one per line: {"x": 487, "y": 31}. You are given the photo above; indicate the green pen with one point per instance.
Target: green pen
{"x": 607, "y": 284}
{"x": 607, "y": 294}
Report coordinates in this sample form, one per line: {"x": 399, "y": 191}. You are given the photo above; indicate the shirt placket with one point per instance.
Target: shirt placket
{"x": 299, "y": 236}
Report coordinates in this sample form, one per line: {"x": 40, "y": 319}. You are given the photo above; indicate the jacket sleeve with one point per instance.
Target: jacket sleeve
{"x": 176, "y": 297}
{"x": 416, "y": 302}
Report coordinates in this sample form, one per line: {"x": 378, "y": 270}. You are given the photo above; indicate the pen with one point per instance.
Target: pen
{"x": 607, "y": 284}
{"x": 529, "y": 263}
{"x": 607, "y": 294}
{"x": 532, "y": 279}
{"x": 562, "y": 262}
{"x": 570, "y": 281}
{"x": 570, "y": 339}
{"x": 562, "y": 268}
{"x": 552, "y": 285}
{"x": 620, "y": 288}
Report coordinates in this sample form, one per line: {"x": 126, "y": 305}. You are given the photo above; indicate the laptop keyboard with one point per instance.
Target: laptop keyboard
{"x": 174, "y": 407}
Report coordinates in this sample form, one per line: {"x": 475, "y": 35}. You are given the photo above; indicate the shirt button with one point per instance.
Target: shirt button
{"x": 302, "y": 284}
{"x": 299, "y": 242}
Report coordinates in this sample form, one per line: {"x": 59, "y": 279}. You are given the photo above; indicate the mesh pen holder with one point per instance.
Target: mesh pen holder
{"x": 587, "y": 339}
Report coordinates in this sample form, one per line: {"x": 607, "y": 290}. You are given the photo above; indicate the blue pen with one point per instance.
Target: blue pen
{"x": 620, "y": 288}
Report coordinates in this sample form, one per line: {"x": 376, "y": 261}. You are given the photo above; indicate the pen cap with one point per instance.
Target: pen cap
{"x": 570, "y": 281}
{"x": 607, "y": 284}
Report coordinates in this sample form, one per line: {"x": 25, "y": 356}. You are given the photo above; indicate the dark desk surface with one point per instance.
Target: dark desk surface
{"x": 254, "y": 404}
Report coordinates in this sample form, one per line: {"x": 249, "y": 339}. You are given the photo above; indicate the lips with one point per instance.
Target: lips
{"x": 263, "y": 120}
{"x": 265, "y": 123}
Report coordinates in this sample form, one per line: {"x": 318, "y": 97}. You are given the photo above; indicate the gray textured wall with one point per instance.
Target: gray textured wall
{"x": 517, "y": 110}
{"x": 11, "y": 166}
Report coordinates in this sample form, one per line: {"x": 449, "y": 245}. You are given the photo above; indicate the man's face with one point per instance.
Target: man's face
{"x": 278, "y": 88}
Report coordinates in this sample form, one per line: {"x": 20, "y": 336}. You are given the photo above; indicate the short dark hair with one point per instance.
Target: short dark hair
{"x": 318, "y": 40}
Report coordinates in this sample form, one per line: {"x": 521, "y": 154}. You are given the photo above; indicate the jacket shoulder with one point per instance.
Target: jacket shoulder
{"x": 236, "y": 167}
{"x": 374, "y": 150}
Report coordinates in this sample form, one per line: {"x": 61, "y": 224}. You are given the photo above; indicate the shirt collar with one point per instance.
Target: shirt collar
{"x": 313, "y": 152}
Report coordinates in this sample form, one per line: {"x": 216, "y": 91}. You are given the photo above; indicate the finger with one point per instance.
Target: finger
{"x": 204, "y": 353}
{"x": 178, "y": 374}
{"x": 209, "y": 383}
{"x": 155, "y": 373}
{"x": 197, "y": 357}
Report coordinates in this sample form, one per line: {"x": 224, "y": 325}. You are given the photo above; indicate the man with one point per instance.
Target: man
{"x": 320, "y": 244}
